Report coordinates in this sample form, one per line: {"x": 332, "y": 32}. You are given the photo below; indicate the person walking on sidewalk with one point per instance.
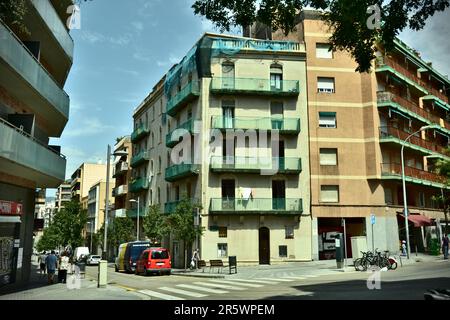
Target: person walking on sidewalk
{"x": 51, "y": 262}
{"x": 41, "y": 261}
{"x": 445, "y": 242}
{"x": 64, "y": 264}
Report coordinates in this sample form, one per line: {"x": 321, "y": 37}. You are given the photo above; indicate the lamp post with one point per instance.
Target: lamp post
{"x": 405, "y": 204}
{"x": 91, "y": 228}
{"x": 137, "y": 223}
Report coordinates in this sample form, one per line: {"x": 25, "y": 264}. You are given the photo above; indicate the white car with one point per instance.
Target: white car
{"x": 93, "y": 260}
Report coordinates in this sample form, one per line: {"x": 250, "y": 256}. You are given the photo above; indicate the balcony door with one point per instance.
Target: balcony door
{"x": 276, "y": 78}
{"x": 228, "y": 74}
{"x": 278, "y": 195}
{"x": 278, "y": 155}
{"x": 264, "y": 245}
{"x": 276, "y": 114}
{"x": 228, "y": 114}
{"x": 228, "y": 194}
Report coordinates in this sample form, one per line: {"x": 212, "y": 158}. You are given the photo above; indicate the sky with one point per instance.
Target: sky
{"x": 124, "y": 47}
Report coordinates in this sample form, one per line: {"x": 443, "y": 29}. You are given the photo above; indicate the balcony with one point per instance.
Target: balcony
{"x": 257, "y": 45}
{"x": 284, "y": 125}
{"x": 190, "y": 92}
{"x": 256, "y": 165}
{"x": 27, "y": 158}
{"x": 120, "y": 168}
{"x": 262, "y": 206}
{"x": 392, "y": 134}
{"x": 140, "y": 132}
{"x": 388, "y": 98}
{"x": 140, "y": 158}
{"x": 23, "y": 76}
{"x": 414, "y": 175}
{"x": 171, "y": 141}
{"x": 169, "y": 207}
{"x": 180, "y": 171}
{"x": 120, "y": 213}
{"x": 133, "y": 213}
{"x": 120, "y": 191}
{"x": 287, "y": 88}
{"x": 138, "y": 185}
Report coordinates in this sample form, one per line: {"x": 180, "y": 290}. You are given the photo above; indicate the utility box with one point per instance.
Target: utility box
{"x": 358, "y": 244}
{"x": 102, "y": 274}
{"x": 340, "y": 250}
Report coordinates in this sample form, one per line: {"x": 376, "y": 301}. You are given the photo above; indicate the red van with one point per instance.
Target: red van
{"x": 154, "y": 260}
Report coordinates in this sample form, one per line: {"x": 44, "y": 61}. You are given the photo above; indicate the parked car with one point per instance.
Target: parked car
{"x": 93, "y": 260}
{"x": 154, "y": 260}
{"x": 129, "y": 254}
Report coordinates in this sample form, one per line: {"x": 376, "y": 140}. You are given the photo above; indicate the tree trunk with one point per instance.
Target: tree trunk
{"x": 185, "y": 257}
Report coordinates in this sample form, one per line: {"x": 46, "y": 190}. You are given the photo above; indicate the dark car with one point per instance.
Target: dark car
{"x": 129, "y": 254}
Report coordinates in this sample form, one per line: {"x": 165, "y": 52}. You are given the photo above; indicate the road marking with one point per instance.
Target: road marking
{"x": 310, "y": 276}
{"x": 184, "y": 292}
{"x": 159, "y": 295}
{"x": 256, "y": 281}
{"x": 216, "y": 285}
{"x": 296, "y": 278}
{"x": 251, "y": 285}
{"x": 198, "y": 288}
{"x": 124, "y": 287}
{"x": 280, "y": 279}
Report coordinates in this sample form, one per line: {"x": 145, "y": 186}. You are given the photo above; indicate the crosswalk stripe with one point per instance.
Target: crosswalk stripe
{"x": 184, "y": 292}
{"x": 217, "y": 285}
{"x": 310, "y": 276}
{"x": 198, "y": 288}
{"x": 251, "y": 285}
{"x": 256, "y": 281}
{"x": 159, "y": 295}
{"x": 296, "y": 278}
{"x": 278, "y": 279}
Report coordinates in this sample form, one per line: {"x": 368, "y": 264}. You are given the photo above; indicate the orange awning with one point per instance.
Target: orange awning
{"x": 418, "y": 220}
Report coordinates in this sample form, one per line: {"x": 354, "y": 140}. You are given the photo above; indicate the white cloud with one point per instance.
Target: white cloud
{"x": 139, "y": 26}
{"x": 87, "y": 127}
{"x": 171, "y": 61}
{"x": 96, "y": 37}
{"x": 141, "y": 57}
{"x": 127, "y": 71}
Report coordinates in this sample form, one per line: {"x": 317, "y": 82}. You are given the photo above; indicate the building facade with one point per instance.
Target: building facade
{"x": 63, "y": 195}
{"x": 34, "y": 66}
{"x": 122, "y": 175}
{"x": 227, "y": 127}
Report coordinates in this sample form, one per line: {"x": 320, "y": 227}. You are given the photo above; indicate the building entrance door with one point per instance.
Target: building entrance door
{"x": 264, "y": 245}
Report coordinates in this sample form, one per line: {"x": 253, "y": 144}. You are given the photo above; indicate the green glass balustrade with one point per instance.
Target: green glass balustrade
{"x": 140, "y": 158}
{"x": 140, "y": 132}
{"x": 256, "y": 164}
{"x": 255, "y": 86}
{"x": 256, "y": 205}
{"x": 284, "y": 125}
{"x": 172, "y": 141}
{"x": 179, "y": 171}
{"x": 138, "y": 185}
{"x": 186, "y": 94}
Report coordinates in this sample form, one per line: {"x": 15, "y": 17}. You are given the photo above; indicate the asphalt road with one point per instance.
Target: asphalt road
{"x": 409, "y": 282}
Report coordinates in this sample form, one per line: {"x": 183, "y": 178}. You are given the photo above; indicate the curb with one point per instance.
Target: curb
{"x": 213, "y": 276}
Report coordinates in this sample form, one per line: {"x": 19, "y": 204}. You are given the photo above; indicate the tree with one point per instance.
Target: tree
{"x": 12, "y": 12}
{"x": 49, "y": 240}
{"x": 155, "y": 224}
{"x": 181, "y": 222}
{"x": 120, "y": 230}
{"x": 349, "y": 20}
{"x": 443, "y": 169}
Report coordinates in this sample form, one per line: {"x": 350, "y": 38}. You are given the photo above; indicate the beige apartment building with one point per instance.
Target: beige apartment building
{"x": 250, "y": 96}
{"x": 122, "y": 176}
{"x": 63, "y": 195}
{"x": 34, "y": 107}
{"x": 357, "y": 126}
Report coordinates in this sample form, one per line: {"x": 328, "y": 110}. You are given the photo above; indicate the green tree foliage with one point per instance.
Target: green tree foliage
{"x": 12, "y": 12}
{"x": 119, "y": 231}
{"x": 347, "y": 19}
{"x": 155, "y": 224}
{"x": 49, "y": 239}
{"x": 443, "y": 169}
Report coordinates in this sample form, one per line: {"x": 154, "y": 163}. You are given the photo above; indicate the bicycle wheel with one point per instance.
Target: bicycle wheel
{"x": 358, "y": 264}
{"x": 393, "y": 264}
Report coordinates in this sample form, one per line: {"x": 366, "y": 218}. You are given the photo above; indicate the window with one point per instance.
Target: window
{"x": 222, "y": 232}
{"x": 189, "y": 114}
{"x": 222, "y": 250}
{"x": 325, "y": 85}
{"x": 160, "y": 106}
{"x": 151, "y": 167}
{"x": 328, "y": 157}
{"x": 228, "y": 75}
{"x": 160, "y": 135}
{"x": 388, "y": 196}
{"x": 282, "y": 251}
{"x": 421, "y": 199}
{"x": 151, "y": 197}
{"x": 276, "y": 77}
{"x": 323, "y": 51}
{"x": 289, "y": 232}
{"x": 152, "y": 140}
{"x": 158, "y": 195}
{"x": 159, "y": 165}
{"x": 329, "y": 193}
{"x": 327, "y": 120}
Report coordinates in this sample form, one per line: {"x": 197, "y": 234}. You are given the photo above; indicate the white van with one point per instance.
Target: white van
{"x": 79, "y": 251}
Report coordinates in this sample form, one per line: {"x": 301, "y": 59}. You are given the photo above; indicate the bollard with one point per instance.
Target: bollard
{"x": 102, "y": 274}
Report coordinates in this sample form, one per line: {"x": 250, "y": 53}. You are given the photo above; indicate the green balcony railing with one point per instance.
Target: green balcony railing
{"x": 35, "y": 77}
{"x": 140, "y": 132}
{"x": 171, "y": 140}
{"x": 284, "y": 125}
{"x": 169, "y": 207}
{"x": 256, "y": 164}
{"x": 256, "y": 205}
{"x": 132, "y": 213}
{"x": 187, "y": 94}
{"x": 255, "y": 86}
{"x": 138, "y": 185}
{"x": 180, "y": 171}
{"x": 140, "y": 158}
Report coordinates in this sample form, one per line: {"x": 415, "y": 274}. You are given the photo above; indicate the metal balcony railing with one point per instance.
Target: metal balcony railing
{"x": 140, "y": 132}
{"x": 395, "y": 169}
{"x": 140, "y": 158}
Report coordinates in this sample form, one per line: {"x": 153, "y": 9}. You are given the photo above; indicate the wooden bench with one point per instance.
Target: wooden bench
{"x": 201, "y": 264}
{"x": 216, "y": 264}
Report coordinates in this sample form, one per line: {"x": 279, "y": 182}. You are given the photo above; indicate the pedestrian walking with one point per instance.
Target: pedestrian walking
{"x": 64, "y": 264}
{"x": 445, "y": 242}
{"x": 195, "y": 258}
{"x": 404, "y": 248}
{"x": 41, "y": 261}
{"x": 51, "y": 262}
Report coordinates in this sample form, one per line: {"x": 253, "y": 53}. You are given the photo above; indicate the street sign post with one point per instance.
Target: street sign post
{"x": 372, "y": 222}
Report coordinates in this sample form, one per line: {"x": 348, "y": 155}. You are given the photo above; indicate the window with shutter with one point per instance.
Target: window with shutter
{"x": 329, "y": 193}
{"x": 325, "y": 85}
{"x": 328, "y": 157}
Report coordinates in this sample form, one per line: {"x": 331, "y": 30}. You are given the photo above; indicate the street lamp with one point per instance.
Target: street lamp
{"x": 137, "y": 227}
{"x": 405, "y": 204}
{"x": 91, "y": 225}
{"x": 105, "y": 235}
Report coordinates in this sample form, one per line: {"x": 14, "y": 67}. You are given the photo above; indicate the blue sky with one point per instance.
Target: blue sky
{"x": 125, "y": 46}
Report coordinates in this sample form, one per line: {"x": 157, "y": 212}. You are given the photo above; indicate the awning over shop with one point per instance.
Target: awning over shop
{"x": 418, "y": 219}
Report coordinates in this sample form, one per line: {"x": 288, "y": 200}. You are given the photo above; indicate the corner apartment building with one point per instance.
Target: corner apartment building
{"x": 63, "y": 195}
{"x": 84, "y": 178}
{"x": 122, "y": 175}
{"x": 357, "y": 124}
{"x": 227, "y": 127}
{"x": 34, "y": 66}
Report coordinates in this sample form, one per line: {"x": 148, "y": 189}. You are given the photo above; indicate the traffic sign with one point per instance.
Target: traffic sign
{"x": 372, "y": 218}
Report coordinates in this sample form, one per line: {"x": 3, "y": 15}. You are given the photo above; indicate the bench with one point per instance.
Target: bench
{"x": 201, "y": 264}
{"x": 216, "y": 264}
